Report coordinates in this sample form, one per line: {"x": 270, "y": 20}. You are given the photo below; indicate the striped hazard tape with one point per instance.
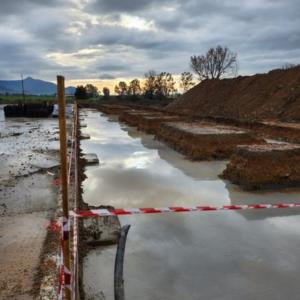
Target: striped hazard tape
{"x": 64, "y": 272}
{"x": 175, "y": 209}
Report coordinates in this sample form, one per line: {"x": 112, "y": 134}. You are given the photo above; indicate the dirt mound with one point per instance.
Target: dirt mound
{"x": 265, "y": 166}
{"x": 275, "y": 95}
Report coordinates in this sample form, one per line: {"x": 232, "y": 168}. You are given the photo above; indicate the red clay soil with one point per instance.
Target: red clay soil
{"x": 289, "y": 132}
{"x": 265, "y": 166}
{"x": 133, "y": 118}
{"x": 114, "y": 109}
{"x": 275, "y": 95}
{"x": 151, "y": 124}
{"x": 203, "y": 141}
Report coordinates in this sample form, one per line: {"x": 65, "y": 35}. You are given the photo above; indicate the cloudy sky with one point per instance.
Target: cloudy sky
{"x": 107, "y": 39}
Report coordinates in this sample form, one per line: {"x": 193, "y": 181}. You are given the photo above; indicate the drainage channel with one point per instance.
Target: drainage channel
{"x": 221, "y": 255}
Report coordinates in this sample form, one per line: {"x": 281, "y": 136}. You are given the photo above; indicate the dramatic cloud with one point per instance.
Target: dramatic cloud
{"x": 107, "y": 39}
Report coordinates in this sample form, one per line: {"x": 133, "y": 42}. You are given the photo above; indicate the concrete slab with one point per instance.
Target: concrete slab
{"x": 91, "y": 159}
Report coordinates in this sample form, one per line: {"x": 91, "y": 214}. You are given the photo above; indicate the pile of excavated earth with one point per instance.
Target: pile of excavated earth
{"x": 271, "y": 96}
{"x": 252, "y": 121}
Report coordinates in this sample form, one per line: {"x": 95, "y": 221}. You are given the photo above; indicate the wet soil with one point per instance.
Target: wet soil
{"x": 265, "y": 166}
{"x": 203, "y": 141}
{"x": 151, "y": 124}
{"x": 28, "y": 201}
{"x": 134, "y": 118}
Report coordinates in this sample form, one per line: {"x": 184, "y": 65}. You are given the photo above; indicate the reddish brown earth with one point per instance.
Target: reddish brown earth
{"x": 202, "y": 141}
{"x": 275, "y": 95}
{"x": 289, "y": 132}
{"x": 134, "y": 118}
{"x": 151, "y": 124}
{"x": 113, "y": 108}
{"x": 265, "y": 166}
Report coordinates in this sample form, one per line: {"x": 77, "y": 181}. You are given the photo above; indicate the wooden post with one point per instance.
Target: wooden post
{"x": 64, "y": 170}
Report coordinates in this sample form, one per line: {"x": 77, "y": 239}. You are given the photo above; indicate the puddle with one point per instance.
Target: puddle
{"x": 216, "y": 255}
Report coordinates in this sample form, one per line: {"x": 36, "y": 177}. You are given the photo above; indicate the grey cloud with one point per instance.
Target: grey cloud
{"x": 129, "y": 6}
{"x": 113, "y": 65}
{"x": 106, "y": 76}
{"x": 16, "y": 6}
{"x": 265, "y": 34}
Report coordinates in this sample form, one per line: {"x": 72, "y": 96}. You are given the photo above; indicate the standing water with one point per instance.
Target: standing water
{"x": 215, "y": 255}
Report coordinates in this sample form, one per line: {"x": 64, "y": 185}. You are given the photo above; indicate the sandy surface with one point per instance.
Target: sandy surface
{"x": 28, "y": 160}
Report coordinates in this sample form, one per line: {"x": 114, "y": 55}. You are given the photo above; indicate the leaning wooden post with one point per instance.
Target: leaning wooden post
{"x": 64, "y": 181}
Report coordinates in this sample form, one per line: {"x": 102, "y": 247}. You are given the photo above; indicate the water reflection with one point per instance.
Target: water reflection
{"x": 217, "y": 255}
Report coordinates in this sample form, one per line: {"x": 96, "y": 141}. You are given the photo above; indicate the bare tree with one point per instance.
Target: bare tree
{"x": 215, "y": 64}
{"x": 134, "y": 88}
{"x": 164, "y": 85}
{"x": 288, "y": 66}
{"x": 149, "y": 85}
{"x": 106, "y": 92}
{"x": 121, "y": 88}
{"x": 186, "y": 81}
{"x": 91, "y": 90}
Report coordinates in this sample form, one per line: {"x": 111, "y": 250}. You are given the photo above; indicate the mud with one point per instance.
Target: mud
{"x": 134, "y": 118}
{"x": 113, "y": 109}
{"x": 28, "y": 201}
{"x": 265, "y": 166}
{"x": 283, "y": 131}
{"x": 151, "y": 124}
{"x": 204, "y": 141}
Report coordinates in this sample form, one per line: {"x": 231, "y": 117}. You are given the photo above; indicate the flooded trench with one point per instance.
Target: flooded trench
{"x": 214, "y": 255}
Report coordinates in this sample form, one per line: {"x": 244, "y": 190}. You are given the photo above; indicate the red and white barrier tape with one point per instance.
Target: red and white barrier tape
{"x": 66, "y": 278}
{"x": 134, "y": 211}
{"x": 75, "y": 257}
{"x": 64, "y": 273}
{"x": 70, "y": 157}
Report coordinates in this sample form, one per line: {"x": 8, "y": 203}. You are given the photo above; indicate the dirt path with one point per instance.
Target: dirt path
{"x": 21, "y": 241}
{"x": 28, "y": 200}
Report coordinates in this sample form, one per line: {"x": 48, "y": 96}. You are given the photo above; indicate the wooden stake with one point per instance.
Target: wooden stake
{"x": 63, "y": 169}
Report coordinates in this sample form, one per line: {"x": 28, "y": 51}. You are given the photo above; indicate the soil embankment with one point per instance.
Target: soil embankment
{"x": 265, "y": 166}
{"x": 204, "y": 141}
{"x": 275, "y": 95}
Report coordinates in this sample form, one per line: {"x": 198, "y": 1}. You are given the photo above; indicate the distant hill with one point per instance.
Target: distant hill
{"x": 31, "y": 87}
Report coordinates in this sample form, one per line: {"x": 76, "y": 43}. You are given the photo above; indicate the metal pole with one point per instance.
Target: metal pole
{"x": 64, "y": 171}
{"x": 119, "y": 261}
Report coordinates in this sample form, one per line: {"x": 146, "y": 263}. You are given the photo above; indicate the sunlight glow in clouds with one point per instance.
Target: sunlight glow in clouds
{"x": 126, "y": 38}
{"x": 136, "y": 22}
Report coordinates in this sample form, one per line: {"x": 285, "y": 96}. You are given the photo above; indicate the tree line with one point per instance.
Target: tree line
{"x": 154, "y": 86}
{"x": 217, "y": 63}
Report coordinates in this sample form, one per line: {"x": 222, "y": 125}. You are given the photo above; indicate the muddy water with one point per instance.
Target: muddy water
{"x": 216, "y": 255}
